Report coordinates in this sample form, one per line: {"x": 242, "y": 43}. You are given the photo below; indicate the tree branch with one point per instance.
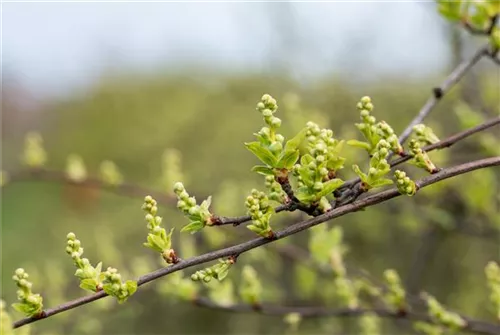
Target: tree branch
{"x": 438, "y": 92}
{"x": 124, "y": 189}
{"x": 446, "y": 143}
{"x": 475, "y": 326}
{"x": 257, "y": 242}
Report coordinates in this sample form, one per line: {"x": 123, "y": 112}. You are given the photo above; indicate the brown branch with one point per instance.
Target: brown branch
{"x": 438, "y": 92}
{"x": 257, "y": 242}
{"x": 124, "y": 189}
{"x": 445, "y": 143}
{"x": 475, "y": 326}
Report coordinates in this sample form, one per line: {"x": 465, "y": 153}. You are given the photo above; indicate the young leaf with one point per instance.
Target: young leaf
{"x": 294, "y": 143}
{"x": 206, "y": 203}
{"x": 306, "y": 159}
{"x": 305, "y": 175}
{"x": 359, "y": 144}
{"x": 362, "y": 176}
{"x": 381, "y": 182}
{"x": 329, "y": 187}
{"x": 131, "y": 286}
{"x": 88, "y": 285}
{"x": 223, "y": 273}
{"x": 263, "y": 170}
{"x": 304, "y": 194}
{"x": 193, "y": 227}
{"x": 156, "y": 242}
{"x": 24, "y": 308}
{"x": 262, "y": 153}
{"x": 288, "y": 159}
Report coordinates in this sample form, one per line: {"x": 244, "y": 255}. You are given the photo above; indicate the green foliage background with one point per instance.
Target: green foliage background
{"x": 132, "y": 119}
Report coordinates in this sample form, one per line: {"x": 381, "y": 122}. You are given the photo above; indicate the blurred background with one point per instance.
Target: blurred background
{"x": 128, "y": 81}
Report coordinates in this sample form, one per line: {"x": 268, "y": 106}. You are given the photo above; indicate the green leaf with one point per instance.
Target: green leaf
{"x": 304, "y": 195}
{"x": 359, "y": 144}
{"x": 156, "y": 242}
{"x": 89, "y": 285}
{"x": 361, "y": 175}
{"x": 206, "y": 203}
{"x": 294, "y": 143}
{"x": 27, "y": 309}
{"x": 98, "y": 269}
{"x": 108, "y": 288}
{"x": 263, "y": 170}
{"x": 255, "y": 229}
{"x": 329, "y": 187}
{"x": 223, "y": 273}
{"x": 193, "y": 227}
{"x": 288, "y": 159}
{"x": 131, "y": 286}
{"x": 264, "y": 154}
{"x": 306, "y": 159}
{"x": 306, "y": 175}
{"x": 381, "y": 182}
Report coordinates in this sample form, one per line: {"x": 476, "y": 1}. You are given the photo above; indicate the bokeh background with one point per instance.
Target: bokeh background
{"x": 127, "y": 81}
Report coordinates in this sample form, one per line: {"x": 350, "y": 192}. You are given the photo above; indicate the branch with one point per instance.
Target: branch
{"x": 445, "y": 143}
{"x": 438, "y": 92}
{"x": 257, "y": 242}
{"x": 124, "y": 189}
{"x": 448, "y": 142}
{"x": 479, "y": 327}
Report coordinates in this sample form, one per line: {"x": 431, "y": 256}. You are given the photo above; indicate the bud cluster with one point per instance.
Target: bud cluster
{"x": 317, "y": 169}
{"x": 367, "y": 127}
{"x": 259, "y": 208}
{"x": 90, "y": 277}
{"x": 114, "y": 286}
{"x": 420, "y": 158}
{"x": 158, "y": 239}
{"x": 218, "y": 271}
{"x": 29, "y": 303}
{"x": 276, "y": 193}
{"x": 404, "y": 184}
{"x": 386, "y": 132}
{"x": 395, "y": 297}
{"x": 379, "y": 167}
{"x": 267, "y": 135}
{"x": 440, "y": 315}
{"x": 199, "y": 215}
{"x": 425, "y": 135}
{"x": 373, "y": 132}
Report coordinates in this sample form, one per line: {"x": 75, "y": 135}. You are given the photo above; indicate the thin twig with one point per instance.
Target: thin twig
{"x": 124, "y": 189}
{"x": 257, "y": 242}
{"x": 445, "y": 143}
{"x": 438, "y": 92}
{"x": 475, "y": 326}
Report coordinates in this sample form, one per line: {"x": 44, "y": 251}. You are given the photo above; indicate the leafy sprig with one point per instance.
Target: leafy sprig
{"x": 260, "y": 210}
{"x": 30, "y": 304}
{"x": 158, "y": 239}
{"x": 199, "y": 215}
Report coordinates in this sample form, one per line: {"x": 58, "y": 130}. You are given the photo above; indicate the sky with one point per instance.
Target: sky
{"x": 51, "y": 48}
